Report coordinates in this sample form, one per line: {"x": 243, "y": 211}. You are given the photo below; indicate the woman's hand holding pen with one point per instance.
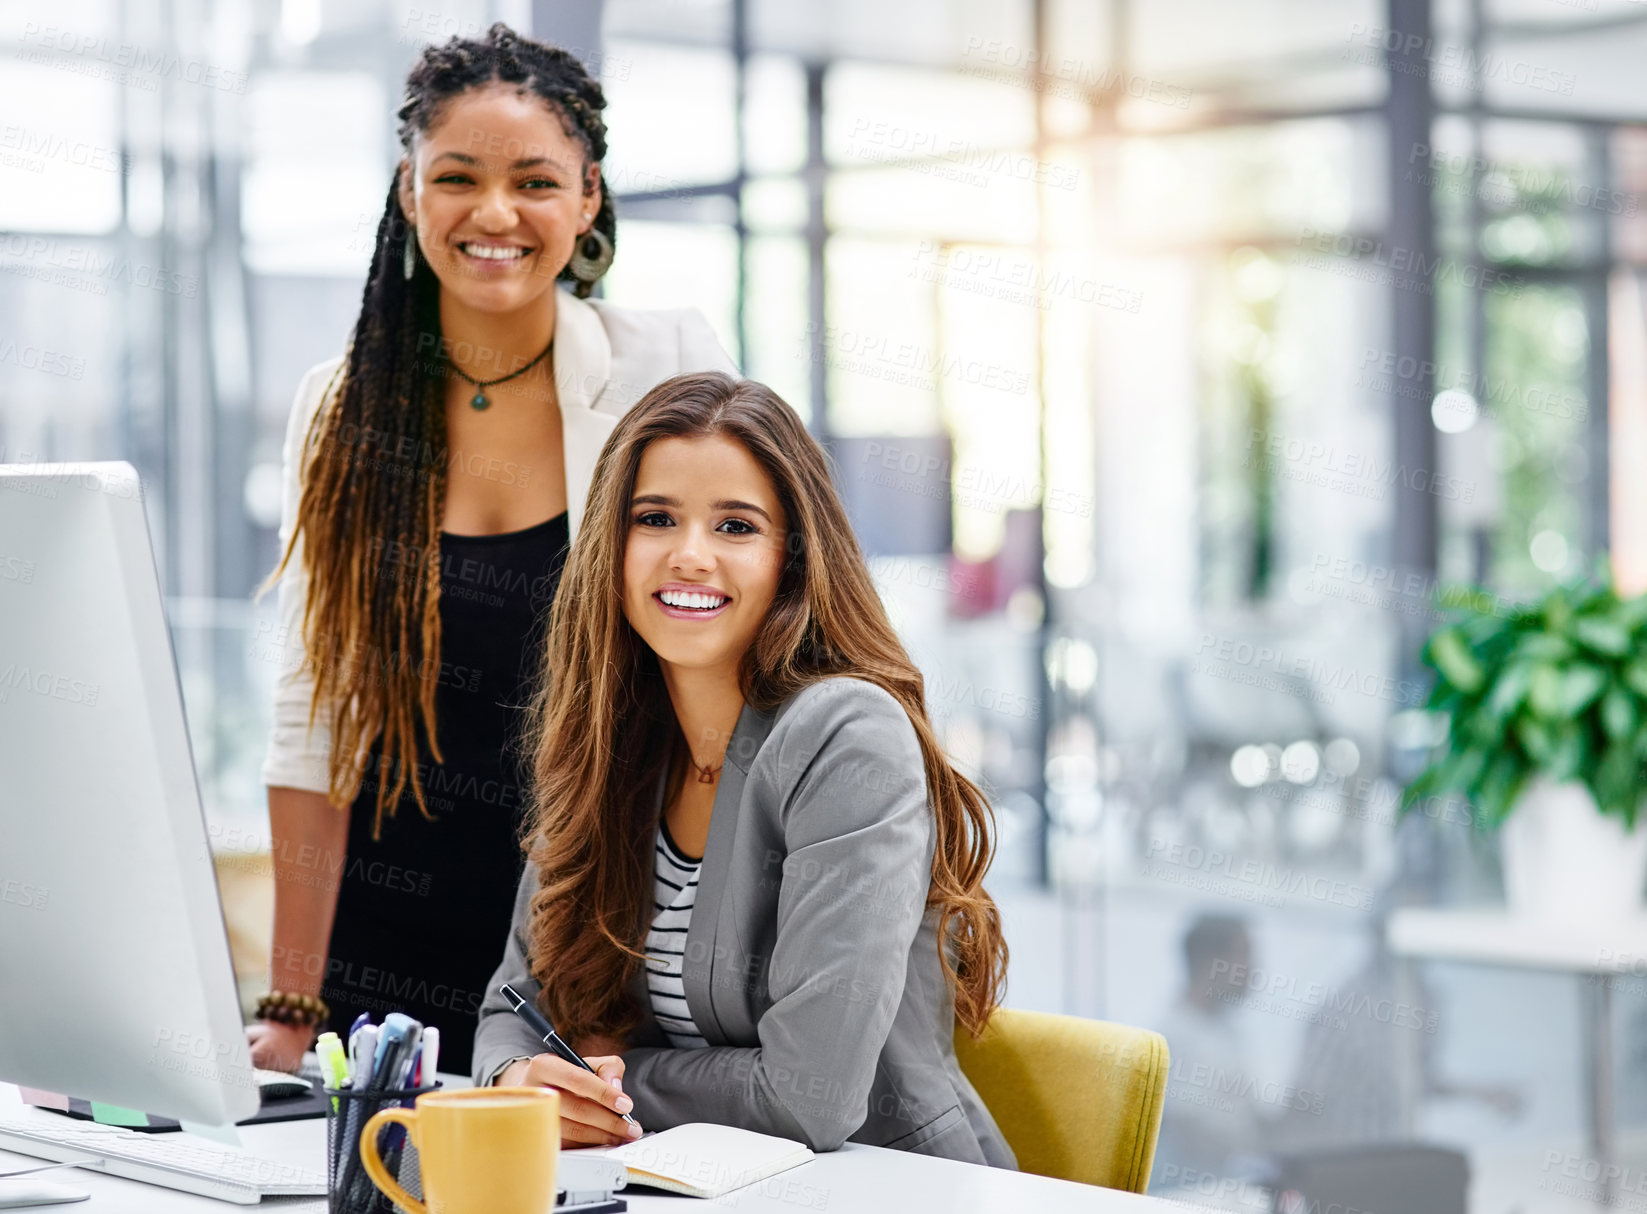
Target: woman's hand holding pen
{"x": 591, "y": 1106}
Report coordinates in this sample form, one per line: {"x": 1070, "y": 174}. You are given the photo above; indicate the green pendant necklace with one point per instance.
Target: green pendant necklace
{"x": 480, "y": 401}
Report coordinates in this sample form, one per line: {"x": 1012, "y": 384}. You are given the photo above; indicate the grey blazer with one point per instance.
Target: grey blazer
{"x": 811, "y": 963}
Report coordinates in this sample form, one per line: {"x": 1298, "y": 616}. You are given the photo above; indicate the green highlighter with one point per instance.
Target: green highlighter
{"x": 329, "y": 1049}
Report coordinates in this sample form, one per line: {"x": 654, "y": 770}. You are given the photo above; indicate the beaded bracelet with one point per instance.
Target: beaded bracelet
{"x": 290, "y": 1007}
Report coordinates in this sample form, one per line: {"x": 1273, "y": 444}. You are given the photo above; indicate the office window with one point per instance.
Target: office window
{"x": 314, "y": 185}
{"x": 61, "y": 157}
{"x": 775, "y": 314}
{"x": 774, "y": 114}
{"x": 878, "y": 329}
{"x": 669, "y": 116}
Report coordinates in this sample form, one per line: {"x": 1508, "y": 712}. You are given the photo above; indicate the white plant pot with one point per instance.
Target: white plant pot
{"x": 1565, "y": 861}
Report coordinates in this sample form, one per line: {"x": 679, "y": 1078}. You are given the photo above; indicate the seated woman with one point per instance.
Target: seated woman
{"x": 755, "y": 893}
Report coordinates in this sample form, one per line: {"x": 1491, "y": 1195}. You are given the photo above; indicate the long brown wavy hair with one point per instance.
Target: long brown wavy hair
{"x": 605, "y": 728}
{"x": 374, "y": 460}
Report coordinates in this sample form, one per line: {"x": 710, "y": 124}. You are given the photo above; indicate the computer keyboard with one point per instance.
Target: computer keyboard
{"x": 174, "y": 1161}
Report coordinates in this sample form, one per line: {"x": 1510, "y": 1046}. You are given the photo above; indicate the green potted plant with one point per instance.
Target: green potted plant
{"x": 1545, "y": 706}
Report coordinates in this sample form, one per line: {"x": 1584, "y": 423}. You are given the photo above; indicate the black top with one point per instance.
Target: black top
{"x": 423, "y": 912}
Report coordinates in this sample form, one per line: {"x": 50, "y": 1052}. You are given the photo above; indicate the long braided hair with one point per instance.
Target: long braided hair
{"x": 375, "y": 457}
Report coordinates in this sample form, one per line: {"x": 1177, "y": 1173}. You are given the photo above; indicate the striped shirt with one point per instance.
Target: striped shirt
{"x": 675, "y": 888}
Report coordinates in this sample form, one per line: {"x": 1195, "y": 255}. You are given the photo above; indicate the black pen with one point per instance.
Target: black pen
{"x": 540, "y": 1025}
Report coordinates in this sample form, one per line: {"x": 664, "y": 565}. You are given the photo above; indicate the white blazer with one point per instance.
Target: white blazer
{"x": 606, "y": 359}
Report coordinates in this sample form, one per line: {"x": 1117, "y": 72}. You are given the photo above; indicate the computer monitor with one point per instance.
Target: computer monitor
{"x": 115, "y": 979}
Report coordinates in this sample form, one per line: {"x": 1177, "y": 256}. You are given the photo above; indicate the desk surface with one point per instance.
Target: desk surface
{"x": 1494, "y": 935}
{"x": 855, "y": 1178}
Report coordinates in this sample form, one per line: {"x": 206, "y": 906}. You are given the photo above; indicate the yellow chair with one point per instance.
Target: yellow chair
{"x": 1076, "y": 1099}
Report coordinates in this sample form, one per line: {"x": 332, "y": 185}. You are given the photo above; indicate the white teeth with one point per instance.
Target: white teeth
{"x": 494, "y": 252}
{"x": 702, "y": 602}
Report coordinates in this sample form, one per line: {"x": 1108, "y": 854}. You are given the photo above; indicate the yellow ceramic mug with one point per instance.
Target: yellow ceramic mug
{"x": 481, "y": 1150}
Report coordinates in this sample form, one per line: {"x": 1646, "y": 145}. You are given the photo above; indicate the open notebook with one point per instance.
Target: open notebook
{"x": 704, "y": 1160}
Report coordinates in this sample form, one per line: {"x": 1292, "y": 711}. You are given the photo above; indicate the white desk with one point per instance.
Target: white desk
{"x": 1495, "y": 936}
{"x": 849, "y": 1181}
{"x": 1595, "y": 953}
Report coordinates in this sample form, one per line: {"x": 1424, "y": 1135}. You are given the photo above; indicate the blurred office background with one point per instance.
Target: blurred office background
{"x": 1172, "y": 354}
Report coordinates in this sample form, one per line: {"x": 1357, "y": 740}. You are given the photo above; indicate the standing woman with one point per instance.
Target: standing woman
{"x": 434, "y": 478}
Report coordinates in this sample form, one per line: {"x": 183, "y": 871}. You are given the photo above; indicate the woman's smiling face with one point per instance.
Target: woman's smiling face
{"x": 496, "y": 189}
{"x": 704, "y": 551}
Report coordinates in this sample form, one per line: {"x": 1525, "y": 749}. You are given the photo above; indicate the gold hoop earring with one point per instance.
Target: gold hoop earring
{"x": 591, "y": 257}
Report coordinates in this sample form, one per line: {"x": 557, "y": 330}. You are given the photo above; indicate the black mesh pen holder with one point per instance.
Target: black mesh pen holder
{"x": 349, "y": 1190}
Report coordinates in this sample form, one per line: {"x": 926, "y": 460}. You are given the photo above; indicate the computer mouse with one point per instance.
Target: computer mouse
{"x": 281, "y": 1085}
{"x": 18, "y": 1191}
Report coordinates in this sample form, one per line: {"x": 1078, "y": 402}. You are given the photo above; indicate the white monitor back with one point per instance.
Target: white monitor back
{"x": 115, "y": 978}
